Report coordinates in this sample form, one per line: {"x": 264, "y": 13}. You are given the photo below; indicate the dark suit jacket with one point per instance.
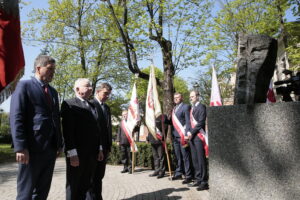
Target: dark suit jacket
{"x": 35, "y": 125}
{"x": 106, "y": 127}
{"x": 121, "y": 137}
{"x": 183, "y": 115}
{"x": 199, "y": 113}
{"x": 80, "y": 127}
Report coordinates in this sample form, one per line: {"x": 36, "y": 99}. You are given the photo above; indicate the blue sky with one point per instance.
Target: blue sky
{"x": 31, "y": 52}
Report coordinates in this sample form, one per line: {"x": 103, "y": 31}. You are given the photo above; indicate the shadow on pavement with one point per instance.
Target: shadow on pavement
{"x": 159, "y": 194}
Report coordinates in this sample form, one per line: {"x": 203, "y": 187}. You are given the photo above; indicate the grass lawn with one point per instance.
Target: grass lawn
{"x": 6, "y": 153}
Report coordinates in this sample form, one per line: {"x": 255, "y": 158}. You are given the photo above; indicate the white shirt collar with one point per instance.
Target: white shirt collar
{"x": 100, "y": 102}
{"x": 80, "y": 98}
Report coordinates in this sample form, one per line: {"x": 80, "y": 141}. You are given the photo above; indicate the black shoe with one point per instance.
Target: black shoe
{"x": 160, "y": 176}
{"x": 129, "y": 172}
{"x": 203, "y": 187}
{"x": 154, "y": 174}
{"x": 187, "y": 180}
{"x": 195, "y": 184}
{"x": 124, "y": 171}
{"x": 178, "y": 177}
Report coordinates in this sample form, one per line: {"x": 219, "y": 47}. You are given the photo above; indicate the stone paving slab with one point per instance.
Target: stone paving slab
{"x": 117, "y": 186}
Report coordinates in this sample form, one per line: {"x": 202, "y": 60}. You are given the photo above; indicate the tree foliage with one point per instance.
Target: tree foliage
{"x": 83, "y": 41}
{"x": 176, "y": 26}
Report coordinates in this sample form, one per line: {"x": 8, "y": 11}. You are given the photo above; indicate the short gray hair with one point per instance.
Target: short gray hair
{"x": 104, "y": 85}
{"x": 43, "y": 61}
{"x": 79, "y": 81}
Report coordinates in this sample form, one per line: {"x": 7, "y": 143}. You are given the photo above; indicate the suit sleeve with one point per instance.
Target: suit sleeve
{"x": 187, "y": 118}
{"x": 18, "y": 119}
{"x": 109, "y": 127}
{"x": 58, "y": 124}
{"x": 200, "y": 118}
{"x": 68, "y": 126}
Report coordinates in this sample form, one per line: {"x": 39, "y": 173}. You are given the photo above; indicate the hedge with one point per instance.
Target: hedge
{"x": 143, "y": 157}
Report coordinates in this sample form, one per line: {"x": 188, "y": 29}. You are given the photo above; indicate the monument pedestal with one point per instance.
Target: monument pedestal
{"x": 254, "y": 151}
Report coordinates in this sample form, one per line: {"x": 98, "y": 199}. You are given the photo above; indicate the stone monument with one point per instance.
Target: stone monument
{"x": 254, "y": 146}
{"x": 255, "y": 68}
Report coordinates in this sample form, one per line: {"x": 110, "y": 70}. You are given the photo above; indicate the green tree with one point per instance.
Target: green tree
{"x": 178, "y": 27}
{"x": 4, "y": 127}
{"x": 242, "y": 17}
{"x": 142, "y": 85}
{"x": 83, "y": 41}
{"x": 203, "y": 84}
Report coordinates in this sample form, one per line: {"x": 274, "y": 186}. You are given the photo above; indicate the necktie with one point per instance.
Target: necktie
{"x": 48, "y": 96}
{"x": 104, "y": 111}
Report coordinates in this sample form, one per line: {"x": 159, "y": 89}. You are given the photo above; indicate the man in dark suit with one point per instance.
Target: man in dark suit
{"x": 198, "y": 118}
{"x": 83, "y": 146}
{"x": 35, "y": 129}
{"x": 103, "y": 92}
{"x": 123, "y": 143}
{"x": 181, "y": 125}
{"x": 158, "y": 147}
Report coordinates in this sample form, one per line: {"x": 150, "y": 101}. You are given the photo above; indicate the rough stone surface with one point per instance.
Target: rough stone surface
{"x": 255, "y": 151}
{"x": 116, "y": 186}
{"x": 255, "y": 68}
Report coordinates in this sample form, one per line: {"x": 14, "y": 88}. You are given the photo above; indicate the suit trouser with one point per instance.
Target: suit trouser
{"x": 159, "y": 158}
{"x": 199, "y": 160}
{"x": 126, "y": 156}
{"x": 79, "y": 178}
{"x": 183, "y": 159}
{"x": 95, "y": 193}
{"x": 34, "y": 179}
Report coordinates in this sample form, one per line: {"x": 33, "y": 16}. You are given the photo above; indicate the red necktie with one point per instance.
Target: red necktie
{"x": 48, "y": 96}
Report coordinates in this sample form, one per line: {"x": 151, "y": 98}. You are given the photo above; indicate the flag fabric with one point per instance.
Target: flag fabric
{"x": 215, "y": 96}
{"x": 153, "y": 108}
{"x": 128, "y": 134}
{"x": 133, "y": 117}
{"x": 270, "y": 94}
{"x": 133, "y": 110}
{"x": 11, "y": 51}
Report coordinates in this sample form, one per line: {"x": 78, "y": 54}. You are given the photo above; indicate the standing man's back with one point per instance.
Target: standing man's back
{"x": 35, "y": 128}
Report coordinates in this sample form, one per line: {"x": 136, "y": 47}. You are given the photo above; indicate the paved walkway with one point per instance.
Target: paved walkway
{"x": 137, "y": 186}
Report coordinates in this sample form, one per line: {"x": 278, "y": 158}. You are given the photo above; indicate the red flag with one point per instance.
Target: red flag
{"x": 11, "y": 51}
{"x": 270, "y": 94}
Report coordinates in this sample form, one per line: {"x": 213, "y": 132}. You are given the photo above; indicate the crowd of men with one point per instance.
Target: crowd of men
{"x": 86, "y": 137}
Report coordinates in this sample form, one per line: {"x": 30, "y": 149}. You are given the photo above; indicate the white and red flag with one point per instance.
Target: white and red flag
{"x": 153, "y": 108}
{"x": 270, "y": 94}
{"x": 133, "y": 115}
{"x": 128, "y": 134}
{"x": 11, "y": 51}
{"x": 215, "y": 96}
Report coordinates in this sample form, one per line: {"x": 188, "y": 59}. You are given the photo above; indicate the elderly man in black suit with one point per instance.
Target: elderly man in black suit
{"x": 103, "y": 92}
{"x": 83, "y": 145}
{"x": 35, "y": 129}
{"x": 198, "y": 118}
{"x": 181, "y": 125}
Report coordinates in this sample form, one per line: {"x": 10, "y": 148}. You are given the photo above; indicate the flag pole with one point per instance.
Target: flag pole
{"x": 133, "y": 159}
{"x": 136, "y": 76}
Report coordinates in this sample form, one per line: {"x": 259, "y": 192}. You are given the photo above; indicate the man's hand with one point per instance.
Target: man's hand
{"x": 100, "y": 156}
{"x": 74, "y": 161}
{"x": 22, "y": 157}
